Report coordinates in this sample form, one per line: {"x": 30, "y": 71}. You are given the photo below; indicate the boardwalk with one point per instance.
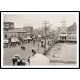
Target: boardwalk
{"x": 63, "y": 53}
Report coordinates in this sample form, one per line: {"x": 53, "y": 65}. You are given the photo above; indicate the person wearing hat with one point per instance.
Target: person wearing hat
{"x": 14, "y": 60}
{"x": 29, "y": 60}
{"x": 33, "y": 49}
{"x": 18, "y": 62}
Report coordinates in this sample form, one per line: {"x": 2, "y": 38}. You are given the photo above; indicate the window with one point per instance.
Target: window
{"x": 72, "y": 37}
{"x": 69, "y": 37}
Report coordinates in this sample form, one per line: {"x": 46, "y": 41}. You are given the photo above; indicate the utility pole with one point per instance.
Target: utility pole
{"x": 45, "y": 28}
{"x": 38, "y": 47}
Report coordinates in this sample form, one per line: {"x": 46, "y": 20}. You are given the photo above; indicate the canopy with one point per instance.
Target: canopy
{"x": 13, "y": 39}
{"x": 28, "y": 37}
{"x": 16, "y": 39}
{"x": 39, "y": 59}
{"x": 25, "y": 38}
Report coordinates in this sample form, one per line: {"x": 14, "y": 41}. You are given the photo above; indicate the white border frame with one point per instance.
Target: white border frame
{"x": 77, "y": 15}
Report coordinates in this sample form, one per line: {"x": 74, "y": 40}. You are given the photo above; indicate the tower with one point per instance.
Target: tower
{"x": 63, "y": 30}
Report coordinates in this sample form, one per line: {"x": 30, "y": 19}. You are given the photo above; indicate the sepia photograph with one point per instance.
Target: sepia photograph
{"x": 39, "y": 39}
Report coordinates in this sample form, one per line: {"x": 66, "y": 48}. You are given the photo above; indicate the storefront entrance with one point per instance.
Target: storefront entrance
{"x": 63, "y": 38}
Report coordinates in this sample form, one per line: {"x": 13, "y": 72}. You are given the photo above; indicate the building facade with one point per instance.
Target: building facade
{"x": 14, "y": 33}
{"x": 67, "y": 33}
{"x": 62, "y": 31}
{"x": 72, "y": 32}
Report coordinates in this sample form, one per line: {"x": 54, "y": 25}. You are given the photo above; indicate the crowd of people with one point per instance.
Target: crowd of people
{"x": 16, "y": 60}
{"x": 20, "y": 62}
{"x": 14, "y": 41}
{"x": 19, "y": 41}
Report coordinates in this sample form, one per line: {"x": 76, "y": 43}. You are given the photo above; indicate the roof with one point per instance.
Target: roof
{"x": 12, "y": 31}
{"x": 8, "y": 22}
{"x": 72, "y": 27}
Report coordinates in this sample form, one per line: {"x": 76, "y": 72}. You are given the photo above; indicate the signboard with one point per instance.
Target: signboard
{"x": 8, "y": 25}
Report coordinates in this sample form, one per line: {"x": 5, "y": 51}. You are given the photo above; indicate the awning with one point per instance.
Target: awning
{"x": 25, "y": 38}
{"x": 28, "y": 37}
{"x": 13, "y": 39}
{"x": 16, "y": 39}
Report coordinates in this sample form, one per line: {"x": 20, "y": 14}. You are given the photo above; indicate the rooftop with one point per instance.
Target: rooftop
{"x": 16, "y": 30}
{"x": 72, "y": 27}
{"x": 8, "y": 22}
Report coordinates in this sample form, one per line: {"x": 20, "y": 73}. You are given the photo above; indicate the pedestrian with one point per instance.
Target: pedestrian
{"x": 41, "y": 43}
{"x": 33, "y": 42}
{"x": 14, "y": 60}
{"x": 48, "y": 41}
{"x": 28, "y": 40}
{"x": 18, "y": 62}
{"x": 23, "y": 62}
{"x": 33, "y": 49}
{"x": 34, "y": 52}
{"x": 29, "y": 60}
{"x": 23, "y": 47}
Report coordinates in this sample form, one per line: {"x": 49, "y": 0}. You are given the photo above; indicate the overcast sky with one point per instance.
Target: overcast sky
{"x": 36, "y": 20}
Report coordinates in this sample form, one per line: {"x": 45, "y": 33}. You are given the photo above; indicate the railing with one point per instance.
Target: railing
{"x": 50, "y": 46}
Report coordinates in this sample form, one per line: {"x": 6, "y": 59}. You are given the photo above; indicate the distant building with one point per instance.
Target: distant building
{"x": 10, "y": 31}
{"x": 67, "y": 33}
{"x": 72, "y": 32}
{"x": 8, "y": 26}
{"x": 14, "y": 33}
{"x": 38, "y": 32}
{"x": 62, "y": 32}
{"x": 29, "y": 30}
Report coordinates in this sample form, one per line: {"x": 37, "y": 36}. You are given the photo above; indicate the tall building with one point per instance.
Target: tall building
{"x": 72, "y": 32}
{"x": 14, "y": 33}
{"x": 8, "y": 26}
{"x": 62, "y": 31}
{"x": 67, "y": 33}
